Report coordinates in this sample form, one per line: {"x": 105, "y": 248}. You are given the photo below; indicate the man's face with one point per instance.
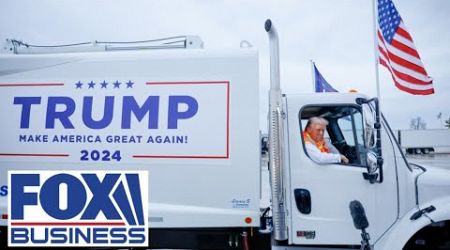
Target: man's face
{"x": 316, "y": 131}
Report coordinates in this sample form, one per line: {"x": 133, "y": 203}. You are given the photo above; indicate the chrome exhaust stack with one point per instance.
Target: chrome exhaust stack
{"x": 276, "y": 137}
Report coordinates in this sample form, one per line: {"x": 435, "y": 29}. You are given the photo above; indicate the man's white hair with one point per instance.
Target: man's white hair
{"x": 317, "y": 120}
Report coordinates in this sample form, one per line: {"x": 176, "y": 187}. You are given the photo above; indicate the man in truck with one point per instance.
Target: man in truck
{"x": 318, "y": 148}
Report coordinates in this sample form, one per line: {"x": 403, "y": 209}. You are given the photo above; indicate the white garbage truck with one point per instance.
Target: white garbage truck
{"x": 189, "y": 117}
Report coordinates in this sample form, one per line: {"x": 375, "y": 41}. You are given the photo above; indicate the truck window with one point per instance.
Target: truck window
{"x": 346, "y": 125}
{"x": 343, "y": 134}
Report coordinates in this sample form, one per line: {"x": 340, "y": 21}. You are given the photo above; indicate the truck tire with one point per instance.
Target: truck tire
{"x": 435, "y": 236}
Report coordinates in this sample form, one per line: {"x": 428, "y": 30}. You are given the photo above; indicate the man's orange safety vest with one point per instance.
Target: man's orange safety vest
{"x": 321, "y": 145}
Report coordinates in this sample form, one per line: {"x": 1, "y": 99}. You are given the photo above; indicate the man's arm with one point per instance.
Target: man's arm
{"x": 319, "y": 157}
{"x": 334, "y": 150}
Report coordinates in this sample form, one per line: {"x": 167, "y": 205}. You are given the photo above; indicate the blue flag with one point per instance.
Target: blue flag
{"x": 320, "y": 83}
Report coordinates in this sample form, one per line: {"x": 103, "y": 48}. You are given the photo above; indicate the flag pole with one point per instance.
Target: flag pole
{"x": 375, "y": 45}
{"x": 313, "y": 76}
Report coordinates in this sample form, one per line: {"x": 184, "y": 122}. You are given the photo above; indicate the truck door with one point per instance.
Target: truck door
{"x": 319, "y": 193}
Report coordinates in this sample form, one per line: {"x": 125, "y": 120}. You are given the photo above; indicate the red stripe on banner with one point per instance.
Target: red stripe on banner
{"x": 30, "y": 84}
{"x": 179, "y": 157}
{"x": 67, "y": 223}
{"x": 405, "y": 48}
{"x": 34, "y": 155}
{"x": 188, "y": 82}
{"x": 404, "y": 33}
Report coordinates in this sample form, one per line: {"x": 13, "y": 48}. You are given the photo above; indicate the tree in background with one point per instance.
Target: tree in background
{"x": 418, "y": 123}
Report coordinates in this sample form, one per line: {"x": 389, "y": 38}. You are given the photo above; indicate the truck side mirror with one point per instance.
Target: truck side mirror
{"x": 372, "y": 139}
{"x": 369, "y": 126}
{"x": 372, "y": 167}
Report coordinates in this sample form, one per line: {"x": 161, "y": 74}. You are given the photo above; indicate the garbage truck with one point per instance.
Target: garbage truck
{"x": 189, "y": 118}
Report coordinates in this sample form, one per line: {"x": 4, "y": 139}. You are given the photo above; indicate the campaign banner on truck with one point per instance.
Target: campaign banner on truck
{"x": 115, "y": 120}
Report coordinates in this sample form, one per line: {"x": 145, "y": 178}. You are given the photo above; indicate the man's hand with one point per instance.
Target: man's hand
{"x": 344, "y": 159}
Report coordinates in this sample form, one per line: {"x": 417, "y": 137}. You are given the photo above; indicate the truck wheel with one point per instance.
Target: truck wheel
{"x": 435, "y": 236}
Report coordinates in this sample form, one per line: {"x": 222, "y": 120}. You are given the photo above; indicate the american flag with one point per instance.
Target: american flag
{"x": 398, "y": 53}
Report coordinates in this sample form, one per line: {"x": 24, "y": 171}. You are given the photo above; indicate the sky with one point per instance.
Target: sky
{"x": 336, "y": 34}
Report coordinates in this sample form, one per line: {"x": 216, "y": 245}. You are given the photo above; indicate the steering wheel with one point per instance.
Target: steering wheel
{"x": 350, "y": 153}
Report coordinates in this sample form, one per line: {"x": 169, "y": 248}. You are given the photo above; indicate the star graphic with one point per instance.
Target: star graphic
{"x": 130, "y": 84}
{"x": 104, "y": 84}
{"x": 79, "y": 84}
{"x": 117, "y": 84}
{"x": 91, "y": 85}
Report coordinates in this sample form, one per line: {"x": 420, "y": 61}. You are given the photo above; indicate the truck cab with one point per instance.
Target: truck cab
{"x": 318, "y": 194}
{"x": 322, "y": 191}
{"x": 314, "y": 203}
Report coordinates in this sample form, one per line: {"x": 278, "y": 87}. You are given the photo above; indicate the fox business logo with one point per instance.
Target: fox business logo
{"x": 78, "y": 208}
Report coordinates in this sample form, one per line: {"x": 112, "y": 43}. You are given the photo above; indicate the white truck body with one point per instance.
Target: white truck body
{"x": 203, "y": 173}
{"x": 190, "y": 118}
